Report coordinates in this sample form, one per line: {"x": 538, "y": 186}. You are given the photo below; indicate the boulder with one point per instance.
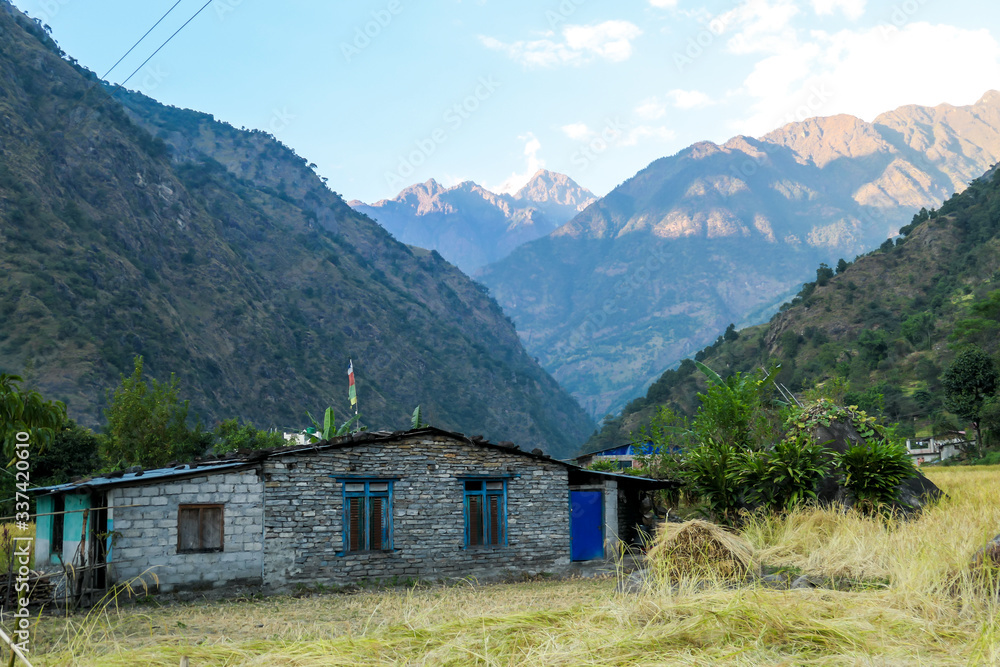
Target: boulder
{"x": 912, "y": 495}
{"x": 636, "y": 582}
{"x": 988, "y": 557}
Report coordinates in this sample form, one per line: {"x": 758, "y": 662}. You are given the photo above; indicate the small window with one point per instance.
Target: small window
{"x": 58, "y": 521}
{"x": 199, "y": 528}
{"x": 367, "y": 516}
{"x": 485, "y": 513}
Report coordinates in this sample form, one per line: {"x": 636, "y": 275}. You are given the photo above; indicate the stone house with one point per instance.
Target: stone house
{"x": 376, "y": 506}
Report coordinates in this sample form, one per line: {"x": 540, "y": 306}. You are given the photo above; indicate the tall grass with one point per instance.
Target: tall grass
{"x": 924, "y": 608}
{"x": 8, "y": 532}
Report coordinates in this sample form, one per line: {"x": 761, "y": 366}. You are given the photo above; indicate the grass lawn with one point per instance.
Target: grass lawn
{"x": 922, "y": 607}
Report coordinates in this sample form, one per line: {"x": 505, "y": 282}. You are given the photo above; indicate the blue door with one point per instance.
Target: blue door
{"x": 586, "y": 525}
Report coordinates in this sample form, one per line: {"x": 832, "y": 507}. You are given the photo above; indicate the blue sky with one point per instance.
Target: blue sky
{"x": 384, "y": 93}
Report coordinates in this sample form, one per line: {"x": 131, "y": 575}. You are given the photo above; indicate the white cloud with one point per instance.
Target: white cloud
{"x": 533, "y": 163}
{"x": 655, "y": 108}
{"x": 645, "y": 132}
{"x": 663, "y": 4}
{"x": 852, "y": 9}
{"x": 762, "y": 25}
{"x": 651, "y": 109}
{"x": 577, "y": 131}
{"x": 689, "y": 99}
{"x": 610, "y": 40}
{"x": 866, "y": 72}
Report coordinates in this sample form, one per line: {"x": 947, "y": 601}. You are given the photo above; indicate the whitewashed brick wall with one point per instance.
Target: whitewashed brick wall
{"x": 146, "y": 535}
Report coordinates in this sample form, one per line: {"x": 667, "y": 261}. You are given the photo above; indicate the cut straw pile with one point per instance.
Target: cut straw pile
{"x": 699, "y": 549}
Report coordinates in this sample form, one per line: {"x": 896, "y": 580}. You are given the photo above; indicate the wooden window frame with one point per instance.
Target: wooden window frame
{"x": 364, "y": 499}
{"x": 201, "y": 539}
{"x": 492, "y": 517}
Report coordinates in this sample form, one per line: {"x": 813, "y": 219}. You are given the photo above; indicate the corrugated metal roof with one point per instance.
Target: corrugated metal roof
{"x": 142, "y": 476}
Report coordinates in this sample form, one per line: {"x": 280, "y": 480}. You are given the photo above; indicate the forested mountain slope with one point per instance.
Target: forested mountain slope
{"x": 724, "y": 233}
{"x": 877, "y": 332}
{"x": 218, "y": 255}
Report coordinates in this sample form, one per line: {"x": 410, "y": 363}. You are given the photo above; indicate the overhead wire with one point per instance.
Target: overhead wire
{"x": 118, "y": 62}
{"x": 193, "y": 17}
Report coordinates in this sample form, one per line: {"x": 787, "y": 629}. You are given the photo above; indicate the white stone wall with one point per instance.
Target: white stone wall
{"x": 145, "y": 536}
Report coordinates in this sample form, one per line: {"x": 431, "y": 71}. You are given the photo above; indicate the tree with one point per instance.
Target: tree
{"x": 731, "y": 334}
{"x": 989, "y": 416}
{"x": 26, "y": 412}
{"x": 735, "y": 410}
{"x": 234, "y": 436}
{"x": 970, "y": 380}
{"x": 874, "y": 346}
{"x": 147, "y": 426}
{"x": 74, "y": 452}
{"x": 841, "y": 265}
{"x": 823, "y": 274}
{"x": 918, "y": 329}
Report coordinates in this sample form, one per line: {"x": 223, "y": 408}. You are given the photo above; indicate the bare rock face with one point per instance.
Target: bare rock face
{"x": 714, "y": 234}
{"x": 840, "y": 436}
{"x": 471, "y": 226}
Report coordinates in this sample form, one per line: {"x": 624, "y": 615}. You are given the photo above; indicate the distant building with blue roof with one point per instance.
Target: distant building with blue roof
{"x": 624, "y": 455}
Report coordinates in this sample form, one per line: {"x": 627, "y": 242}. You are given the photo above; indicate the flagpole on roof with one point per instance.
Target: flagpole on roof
{"x": 352, "y": 391}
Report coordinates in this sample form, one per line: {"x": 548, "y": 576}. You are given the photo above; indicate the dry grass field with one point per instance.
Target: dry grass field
{"x": 914, "y": 603}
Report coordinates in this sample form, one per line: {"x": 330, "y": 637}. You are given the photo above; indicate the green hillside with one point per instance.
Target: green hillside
{"x": 877, "y": 332}
{"x": 220, "y": 256}
{"x": 714, "y": 234}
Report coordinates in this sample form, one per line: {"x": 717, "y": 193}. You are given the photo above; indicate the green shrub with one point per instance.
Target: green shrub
{"x": 786, "y": 475}
{"x": 234, "y": 436}
{"x": 603, "y": 465}
{"x": 712, "y": 471}
{"x": 874, "y": 470}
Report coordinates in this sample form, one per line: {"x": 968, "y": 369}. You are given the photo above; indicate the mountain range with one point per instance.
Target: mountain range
{"x": 721, "y": 234}
{"x": 878, "y": 332}
{"x": 471, "y": 226}
{"x": 132, "y": 228}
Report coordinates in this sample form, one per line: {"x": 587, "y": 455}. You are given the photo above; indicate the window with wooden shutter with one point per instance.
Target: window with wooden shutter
{"x": 367, "y": 515}
{"x": 485, "y": 513}
{"x": 200, "y": 528}
{"x": 474, "y": 518}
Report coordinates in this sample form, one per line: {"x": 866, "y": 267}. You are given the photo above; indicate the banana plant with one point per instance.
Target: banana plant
{"x": 328, "y": 429}
{"x": 416, "y": 421}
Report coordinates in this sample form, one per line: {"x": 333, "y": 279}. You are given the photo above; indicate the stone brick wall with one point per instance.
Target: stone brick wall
{"x": 147, "y": 534}
{"x": 304, "y": 527}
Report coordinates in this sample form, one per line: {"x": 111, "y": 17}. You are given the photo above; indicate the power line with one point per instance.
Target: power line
{"x": 140, "y": 40}
{"x": 159, "y": 48}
